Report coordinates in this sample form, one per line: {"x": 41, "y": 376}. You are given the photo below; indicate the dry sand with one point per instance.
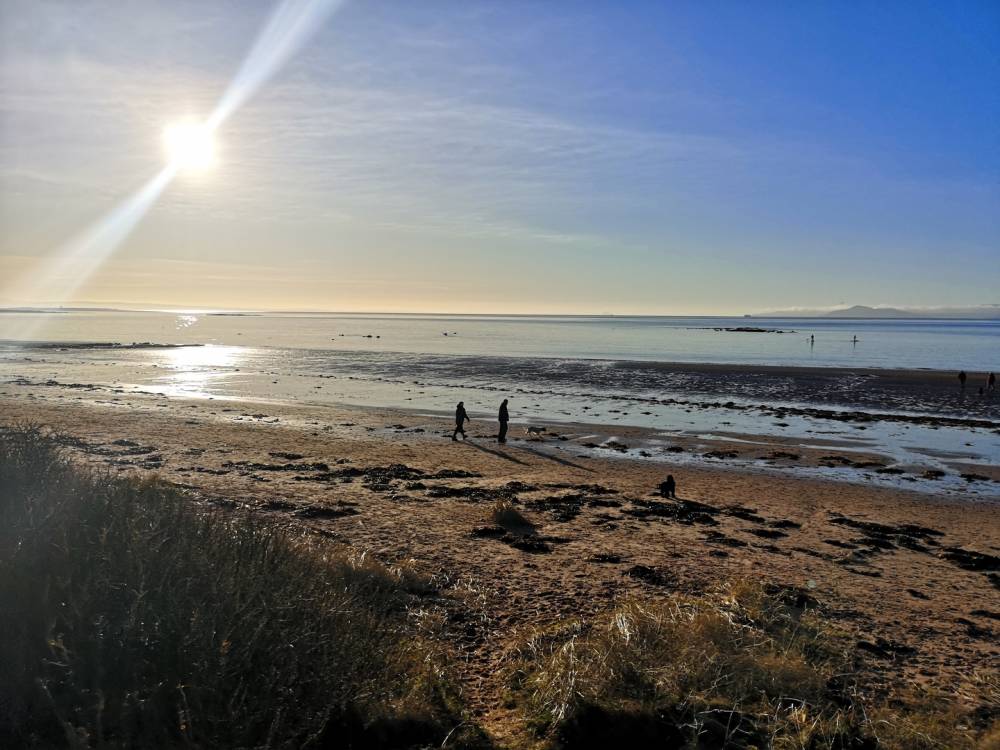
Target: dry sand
{"x": 927, "y": 610}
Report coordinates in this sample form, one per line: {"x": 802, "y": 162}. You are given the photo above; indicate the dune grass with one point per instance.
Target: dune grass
{"x": 740, "y": 667}
{"x": 503, "y": 513}
{"x": 128, "y": 618}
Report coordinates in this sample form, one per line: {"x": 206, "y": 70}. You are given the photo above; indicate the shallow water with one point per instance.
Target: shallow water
{"x": 906, "y": 344}
{"x": 305, "y": 360}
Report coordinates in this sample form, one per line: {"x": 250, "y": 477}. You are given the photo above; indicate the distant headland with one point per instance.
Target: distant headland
{"x": 977, "y": 312}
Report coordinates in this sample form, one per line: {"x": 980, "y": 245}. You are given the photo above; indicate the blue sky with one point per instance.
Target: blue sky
{"x": 689, "y": 157}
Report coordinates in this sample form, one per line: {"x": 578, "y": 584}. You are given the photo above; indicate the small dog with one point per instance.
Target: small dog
{"x": 534, "y": 432}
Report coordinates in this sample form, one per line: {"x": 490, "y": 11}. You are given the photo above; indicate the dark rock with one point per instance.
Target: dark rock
{"x": 767, "y": 533}
{"x": 286, "y": 456}
{"x": 647, "y": 574}
{"x": 721, "y": 454}
{"x": 971, "y": 560}
{"x": 886, "y": 649}
{"x": 605, "y": 557}
{"x": 785, "y": 524}
{"x": 527, "y": 543}
{"x": 717, "y": 537}
{"x": 322, "y": 512}
{"x": 494, "y": 532}
{"x": 970, "y": 477}
{"x": 974, "y": 630}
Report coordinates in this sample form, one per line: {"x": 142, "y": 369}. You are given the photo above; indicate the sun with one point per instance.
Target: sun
{"x": 189, "y": 145}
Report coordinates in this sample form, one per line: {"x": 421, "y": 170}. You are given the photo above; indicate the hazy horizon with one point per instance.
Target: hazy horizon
{"x": 989, "y": 312}
{"x": 511, "y": 158}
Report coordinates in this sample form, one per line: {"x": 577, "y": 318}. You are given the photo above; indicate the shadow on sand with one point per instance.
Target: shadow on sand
{"x": 494, "y": 452}
{"x": 563, "y": 461}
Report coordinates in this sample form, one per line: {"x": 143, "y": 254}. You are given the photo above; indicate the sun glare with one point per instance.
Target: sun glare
{"x": 189, "y": 146}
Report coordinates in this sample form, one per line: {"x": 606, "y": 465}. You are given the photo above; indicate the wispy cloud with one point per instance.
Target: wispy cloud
{"x": 410, "y": 129}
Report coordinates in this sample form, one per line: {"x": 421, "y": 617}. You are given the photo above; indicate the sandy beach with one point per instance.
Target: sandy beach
{"x": 912, "y": 575}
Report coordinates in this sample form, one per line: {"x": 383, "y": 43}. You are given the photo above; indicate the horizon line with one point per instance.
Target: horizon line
{"x": 925, "y": 314}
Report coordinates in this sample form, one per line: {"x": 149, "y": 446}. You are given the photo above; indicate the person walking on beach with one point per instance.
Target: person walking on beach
{"x": 460, "y": 419}
{"x": 812, "y": 340}
{"x": 962, "y": 378}
{"x": 503, "y": 418}
{"x": 991, "y": 382}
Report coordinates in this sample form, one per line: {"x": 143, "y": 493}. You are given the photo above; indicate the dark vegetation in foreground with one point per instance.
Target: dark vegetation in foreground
{"x": 131, "y": 617}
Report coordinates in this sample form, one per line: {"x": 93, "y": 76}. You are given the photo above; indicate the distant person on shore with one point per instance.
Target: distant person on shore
{"x": 855, "y": 341}
{"x": 991, "y": 382}
{"x": 503, "y": 418}
{"x": 461, "y": 417}
{"x": 962, "y": 377}
{"x": 812, "y": 340}
{"x": 668, "y": 488}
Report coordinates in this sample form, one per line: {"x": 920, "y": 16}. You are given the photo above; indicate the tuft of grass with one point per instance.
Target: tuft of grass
{"x": 738, "y": 667}
{"x": 509, "y": 517}
{"x": 129, "y": 618}
{"x": 925, "y": 719}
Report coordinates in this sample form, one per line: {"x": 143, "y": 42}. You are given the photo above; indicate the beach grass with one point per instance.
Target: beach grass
{"x": 739, "y": 667}
{"x": 506, "y": 515}
{"x": 130, "y": 618}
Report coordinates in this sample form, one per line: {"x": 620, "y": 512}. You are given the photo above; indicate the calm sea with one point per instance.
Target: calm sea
{"x": 603, "y": 371}
{"x": 910, "y": 344}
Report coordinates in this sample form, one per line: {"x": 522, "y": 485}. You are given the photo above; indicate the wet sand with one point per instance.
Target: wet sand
{"x": 913, "y": 576}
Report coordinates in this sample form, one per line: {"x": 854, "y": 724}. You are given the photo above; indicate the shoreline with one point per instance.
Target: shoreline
{"x": 937, "y": 376}
{"x": 752, "y": 444}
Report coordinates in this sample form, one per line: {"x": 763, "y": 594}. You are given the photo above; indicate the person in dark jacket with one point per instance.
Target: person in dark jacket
{"x": 991, "y": 382}
{"x": 962, "y": 378}
{"x": 460, "y": 419}
{"x": 503, "y": 418}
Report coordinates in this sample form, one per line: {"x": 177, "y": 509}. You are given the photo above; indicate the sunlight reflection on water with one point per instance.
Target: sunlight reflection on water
{"x": 193, "y": 370}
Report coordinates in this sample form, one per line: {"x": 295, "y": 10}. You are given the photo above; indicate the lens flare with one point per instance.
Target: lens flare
{"x": 288, "y": 29}
{"x": 68, "y": 269}
{"x": 189, "y": 147}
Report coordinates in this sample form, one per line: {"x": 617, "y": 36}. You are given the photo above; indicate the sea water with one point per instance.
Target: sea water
{"x": 897, "y": 344}
{"x": 605, "y": 371}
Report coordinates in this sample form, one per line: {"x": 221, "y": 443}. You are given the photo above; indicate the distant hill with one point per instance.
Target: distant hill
{"x": 863, "y": 311}
{"x": 977, "y": 312}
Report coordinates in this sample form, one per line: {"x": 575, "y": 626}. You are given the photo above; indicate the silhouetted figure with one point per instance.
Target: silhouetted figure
{"x": 991, "y": 382}
{"x": 504, "y": 418}
{"x": 812, "y": 340}
{"x": 962, "y": 377}
{"x": 669, "y": 487}
{"x": 460, "y": 419}
{"x": 855, "y": 341}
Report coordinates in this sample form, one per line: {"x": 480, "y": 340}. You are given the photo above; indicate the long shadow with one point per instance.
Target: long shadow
{"x": 494, "y": 452}
{"x": 563, "y": 461}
